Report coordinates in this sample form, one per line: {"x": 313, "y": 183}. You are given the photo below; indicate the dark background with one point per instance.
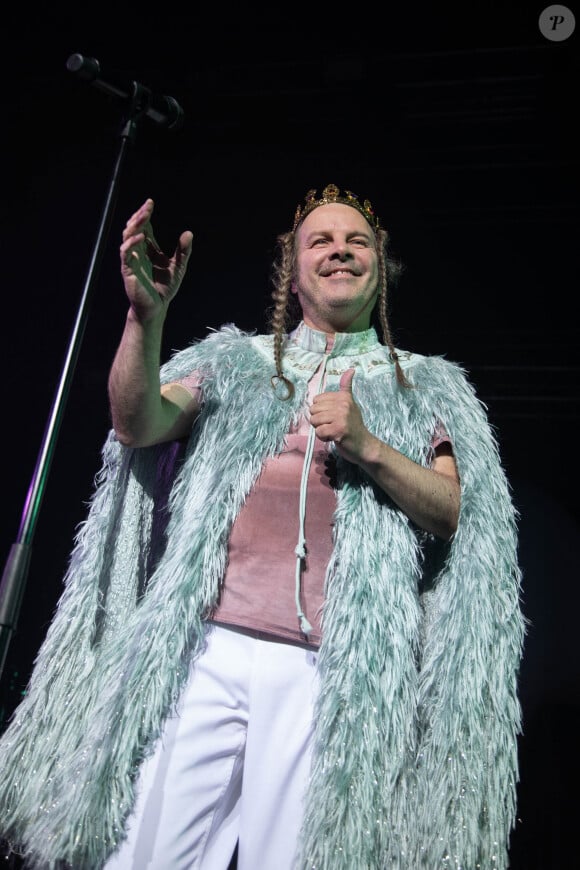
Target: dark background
{"x": 458, "y": 123}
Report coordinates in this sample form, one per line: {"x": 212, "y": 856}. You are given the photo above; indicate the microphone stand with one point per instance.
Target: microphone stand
{"x": 16, "y": 568}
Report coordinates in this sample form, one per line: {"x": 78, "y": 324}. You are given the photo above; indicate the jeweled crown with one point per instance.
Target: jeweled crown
{"x": 330, "y": 194}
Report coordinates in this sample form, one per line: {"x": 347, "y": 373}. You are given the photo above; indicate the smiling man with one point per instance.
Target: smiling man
{"x": 337, "y": 279}
{"x": 291, "y": 622}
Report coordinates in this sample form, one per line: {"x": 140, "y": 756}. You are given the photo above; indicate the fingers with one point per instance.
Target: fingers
{"x": 139, "y": 240}
{"x": 330, "y": 409}
{"x": 138, "y": 229}
{"x": 133, "y": 250}
{"x": 138, "y": 221}
{"x": 143, "y": 261}
{"x": 134, "y": 245}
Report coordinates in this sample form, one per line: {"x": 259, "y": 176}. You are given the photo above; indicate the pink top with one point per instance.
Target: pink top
{"x": 258, "y": 591}
{"x": 259, "y": 585}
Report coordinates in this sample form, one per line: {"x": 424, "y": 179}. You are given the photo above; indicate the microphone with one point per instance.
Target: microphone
{"x": 163, "y": 110}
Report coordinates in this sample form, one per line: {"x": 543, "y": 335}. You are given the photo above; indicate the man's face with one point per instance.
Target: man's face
{"x": 336, "y": 269}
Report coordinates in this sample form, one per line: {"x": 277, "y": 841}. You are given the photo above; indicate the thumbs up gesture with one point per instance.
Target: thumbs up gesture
{"x": 337, "y": 417}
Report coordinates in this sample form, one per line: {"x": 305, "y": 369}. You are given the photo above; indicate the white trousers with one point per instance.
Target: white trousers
{"x": 232, "y": 766}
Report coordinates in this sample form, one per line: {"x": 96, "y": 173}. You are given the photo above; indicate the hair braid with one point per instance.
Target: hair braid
{"x": 282, "y": 275}
{"x": 386, "y": 266}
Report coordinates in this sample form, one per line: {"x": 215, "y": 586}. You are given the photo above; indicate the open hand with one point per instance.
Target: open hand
{"x": 151, "y": 278}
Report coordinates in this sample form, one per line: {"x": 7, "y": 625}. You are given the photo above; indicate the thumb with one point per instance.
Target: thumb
{"x": 345, "y": 383}
{"x": 185, "y": 244}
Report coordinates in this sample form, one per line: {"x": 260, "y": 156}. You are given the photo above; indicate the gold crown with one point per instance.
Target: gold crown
{"x": 331, "y": 193}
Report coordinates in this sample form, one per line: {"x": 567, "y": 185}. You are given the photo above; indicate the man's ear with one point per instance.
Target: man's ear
{"x": 293, "y": 287}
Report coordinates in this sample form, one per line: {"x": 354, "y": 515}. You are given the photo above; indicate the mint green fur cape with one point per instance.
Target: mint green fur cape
{"x": 415, "y": 762}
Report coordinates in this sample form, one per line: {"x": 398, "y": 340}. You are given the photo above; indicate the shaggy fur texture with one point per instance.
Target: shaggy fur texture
{"x": 415, "y": 761}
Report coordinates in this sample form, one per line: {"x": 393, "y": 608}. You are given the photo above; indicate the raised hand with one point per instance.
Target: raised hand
{"x": 151, "y": 277}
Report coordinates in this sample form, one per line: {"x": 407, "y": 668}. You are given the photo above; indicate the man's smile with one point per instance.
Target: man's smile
{"x": 330, "y": 273}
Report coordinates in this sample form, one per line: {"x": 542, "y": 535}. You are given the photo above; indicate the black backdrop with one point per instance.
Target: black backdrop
{"x": 459, "y": 125}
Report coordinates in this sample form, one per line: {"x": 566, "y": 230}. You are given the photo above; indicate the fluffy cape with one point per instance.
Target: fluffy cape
{"x": 415, "y": 762}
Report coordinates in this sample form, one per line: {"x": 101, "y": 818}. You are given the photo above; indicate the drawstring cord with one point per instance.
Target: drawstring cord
{"x": 300, "y": 548}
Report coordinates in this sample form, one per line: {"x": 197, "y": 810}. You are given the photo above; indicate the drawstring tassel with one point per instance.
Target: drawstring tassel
{"x": 300, "y": 549}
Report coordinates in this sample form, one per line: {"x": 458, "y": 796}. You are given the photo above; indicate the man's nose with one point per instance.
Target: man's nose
{"x": 341, "y": 251}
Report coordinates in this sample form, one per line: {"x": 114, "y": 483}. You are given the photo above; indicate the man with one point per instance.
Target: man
{"x": 292, "y": 618}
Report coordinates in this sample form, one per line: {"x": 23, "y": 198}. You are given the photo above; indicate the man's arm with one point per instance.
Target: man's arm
{"x": 142, "y": 411}
{"x": 429, "y": 496}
